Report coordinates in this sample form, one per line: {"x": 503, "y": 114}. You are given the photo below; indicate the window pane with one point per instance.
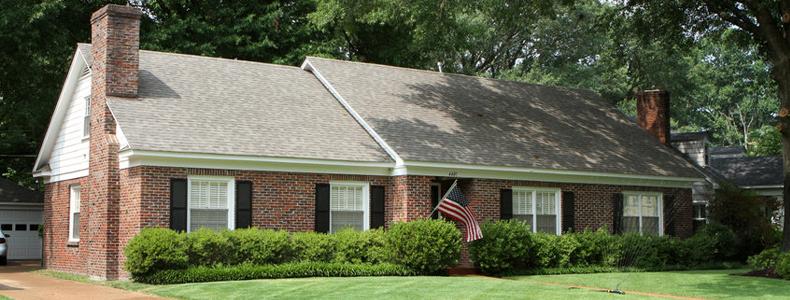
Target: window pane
{"x": 631, "y": 206}
{"x": 546, "y": 203}
{"x": 215, "y": 219}
{"x": 525, "y": 218}
{"x": 347, "y": 219}
{"x": 20, "y": 227}
{"x": 76, "y": 226}
{"x": 6, "y": 227}
{"x": 649, "y": 206}
{"x": 346, "y": 198}
{"x": 547, "y": 224}
{"x": 522, "y": 202}
{"x": 208, "y": 194}
{"x": 630, "y": 224}
{"x": 33, "y": 227}
{"x": 649, "y": 225}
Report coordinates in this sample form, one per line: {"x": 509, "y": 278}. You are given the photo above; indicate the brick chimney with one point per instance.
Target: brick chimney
{"x": 652, "y": 113}
{"x": 115, "y": 31}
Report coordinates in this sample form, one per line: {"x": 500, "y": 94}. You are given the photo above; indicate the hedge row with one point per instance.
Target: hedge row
{"x": 285, "y": 270}
{"x": 424, "y": 246}
{"x": 509, "y": 246}
{"x": 772, "y": 261}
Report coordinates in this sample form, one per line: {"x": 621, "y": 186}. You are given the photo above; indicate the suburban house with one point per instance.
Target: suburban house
{"x": 762, "y": 175}
{"x": 150, "y": 139}
{"x": 20, "y": 218}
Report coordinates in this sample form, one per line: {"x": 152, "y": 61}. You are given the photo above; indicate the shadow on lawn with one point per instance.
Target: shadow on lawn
{"x": 737, "y": 285}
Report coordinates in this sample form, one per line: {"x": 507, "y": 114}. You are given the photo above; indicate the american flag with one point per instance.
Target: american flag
{"x": 455, "y": 206}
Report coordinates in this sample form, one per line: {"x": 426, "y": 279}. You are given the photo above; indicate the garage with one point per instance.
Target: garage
{"x": 20, "y": 219}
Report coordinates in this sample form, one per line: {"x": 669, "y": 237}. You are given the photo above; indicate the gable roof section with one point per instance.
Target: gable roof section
{"x": 750, "y": 171}
{"x": 194, "y": 104}
{"x": 448, "y": 118}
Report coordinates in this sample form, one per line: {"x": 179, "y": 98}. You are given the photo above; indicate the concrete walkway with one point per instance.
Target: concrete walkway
{"x": 18, "y": 282}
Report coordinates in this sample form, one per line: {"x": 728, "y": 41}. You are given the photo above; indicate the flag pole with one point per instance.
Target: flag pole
{"x": 445, "y": 196}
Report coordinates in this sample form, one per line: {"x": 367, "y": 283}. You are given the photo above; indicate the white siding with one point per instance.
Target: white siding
{"x": 69, "y": 158}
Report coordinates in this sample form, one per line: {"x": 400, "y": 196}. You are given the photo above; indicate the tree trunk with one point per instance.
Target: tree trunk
{"x": 781, "y": 74}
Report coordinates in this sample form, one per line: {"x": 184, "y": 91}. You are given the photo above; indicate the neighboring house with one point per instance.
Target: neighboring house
{"x": 763, "y": 175}
{"x": 20, "y": 218}
{"x": 150, "y": 139}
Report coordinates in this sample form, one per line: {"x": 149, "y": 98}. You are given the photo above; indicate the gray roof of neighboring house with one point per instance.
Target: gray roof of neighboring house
{"x": 750, "y": 171}
{"x": 728, "y": 151}
{"x": 221, "y": 106}
{"x": 435, "y": 117}
{"x": 688, "y": 136}
{"x": 12, "y": 192}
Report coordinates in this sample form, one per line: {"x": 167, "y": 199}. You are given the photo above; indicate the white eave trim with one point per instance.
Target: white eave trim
{"x": 132, "y": 158}
{"x": 761, "y": 187}
{"x": 544, "y": 175}
{"x": 75, "y": 73}
{"x": 307, "y": 66}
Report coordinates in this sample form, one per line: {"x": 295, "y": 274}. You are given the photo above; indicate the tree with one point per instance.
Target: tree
{"x": 765, "y": 23}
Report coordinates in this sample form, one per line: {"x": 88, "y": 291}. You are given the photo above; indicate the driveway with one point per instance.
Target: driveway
{"x": 18, "y": 282}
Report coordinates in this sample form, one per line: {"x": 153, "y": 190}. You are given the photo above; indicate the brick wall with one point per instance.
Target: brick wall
{"x": 58, "y": 254}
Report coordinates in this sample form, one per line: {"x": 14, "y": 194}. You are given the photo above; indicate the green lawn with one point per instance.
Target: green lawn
{"x": 717, "y": 284}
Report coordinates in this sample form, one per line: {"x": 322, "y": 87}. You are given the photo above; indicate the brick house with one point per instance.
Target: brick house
{"x": 149, "y": 139}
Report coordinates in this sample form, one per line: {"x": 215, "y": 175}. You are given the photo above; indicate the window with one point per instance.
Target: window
{"x": 642, "y": 213}
{"x": 210, "y": 203}
{"x": 538, "y": 207}
{"x": 20, "y": 227}
{"x": 74, "y": 213}
{"x": 6, "y": 227}
{"x": 348, "y": 206}
{"x": 700, "y": 212}
{"x": 33, "y": 227}
{"x": 86, "y": 120}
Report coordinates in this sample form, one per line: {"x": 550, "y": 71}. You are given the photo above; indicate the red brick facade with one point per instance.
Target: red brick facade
{"x": 287, "y": 201}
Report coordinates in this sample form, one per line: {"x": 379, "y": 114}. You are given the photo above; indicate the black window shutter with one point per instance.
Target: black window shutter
{"x": 322, "y": 207}
{"x": 568, "y": 222}
{"x": 178, "y": 204}
{"x": 669, "y": 215}
{"x": 376, "y": 207}
{"x": 435, "y": 200}
{"x": 243, "y": 204}
{"x": 617, "y": 213}
{"x": 505, "y": 204}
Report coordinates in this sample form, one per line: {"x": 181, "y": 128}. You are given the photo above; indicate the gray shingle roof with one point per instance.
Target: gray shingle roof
{"x": 688, "y": 136}
{"x": 221, "y": 106}
{"x": 436, "y": 117}
{"x": 12, "y": 192}
{"x": 750, "y": 171}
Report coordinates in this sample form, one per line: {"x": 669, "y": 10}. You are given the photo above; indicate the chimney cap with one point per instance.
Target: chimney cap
{"x": 116, "y": 10}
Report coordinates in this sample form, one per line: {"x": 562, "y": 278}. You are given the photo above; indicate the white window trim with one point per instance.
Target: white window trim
{"x": 231, "y": 198}
{"x": 86, "y": 117}
{"x": 365, "y": 200}
{"x": 557, "y": 204}
{"x": 74, "y": 208}
{"x": 659, "y": 196}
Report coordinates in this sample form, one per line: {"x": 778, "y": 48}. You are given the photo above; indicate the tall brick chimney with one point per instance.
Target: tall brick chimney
{"x": 652, "y": 113}
{"x": 115, "y": 31}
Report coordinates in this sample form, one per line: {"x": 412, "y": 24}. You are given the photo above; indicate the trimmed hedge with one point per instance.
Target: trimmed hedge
{"x": 510, "y": 246}
{"x": 286, "y": 270}
{"x": 424, "y": 246}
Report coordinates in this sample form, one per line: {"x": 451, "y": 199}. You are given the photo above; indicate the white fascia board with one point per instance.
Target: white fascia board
{"x": 543, "y": 175}
{"x": 132, "y": 158}
{"x": 77, "y": 64}
{"x": 307, "y": 66}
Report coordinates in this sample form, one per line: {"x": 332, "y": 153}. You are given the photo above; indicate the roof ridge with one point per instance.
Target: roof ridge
{"x": 448, "y": 74}
{"x": 221, "y": 59}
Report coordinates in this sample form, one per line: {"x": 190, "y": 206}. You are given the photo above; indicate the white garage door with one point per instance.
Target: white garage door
{"x": 22, "y": 227}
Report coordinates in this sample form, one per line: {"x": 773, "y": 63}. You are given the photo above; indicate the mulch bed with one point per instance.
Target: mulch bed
{"x": 768, "y": 273}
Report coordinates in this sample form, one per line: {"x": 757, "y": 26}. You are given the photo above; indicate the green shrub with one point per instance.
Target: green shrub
{"x": 426, "y": 246}
{"x": 766, "y": 260}
{"x": 287, "y": 270}
{"x": 726, "y": 243}
{"x": 551, "y": 251}
{"x": 257, "y": 246}
{"x": 743, "y": 212}
{"x": 155, "y": 249}
{"x": 596, "y": 248}
{"x": 783, "y": 265}
{"x": 312, "y": 246}
{"x": 206, "y": 247}
{"x": 356, "y": 247}
{"x": 640, "y": 252}
{"x": 505, "y": 246}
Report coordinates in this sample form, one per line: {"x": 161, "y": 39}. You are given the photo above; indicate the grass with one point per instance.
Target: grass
{"x": 713, "y": 284}
{"x": 120, "y": 284}
{"x": 5, "y": 297}
{"x": 709, "y": 284}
